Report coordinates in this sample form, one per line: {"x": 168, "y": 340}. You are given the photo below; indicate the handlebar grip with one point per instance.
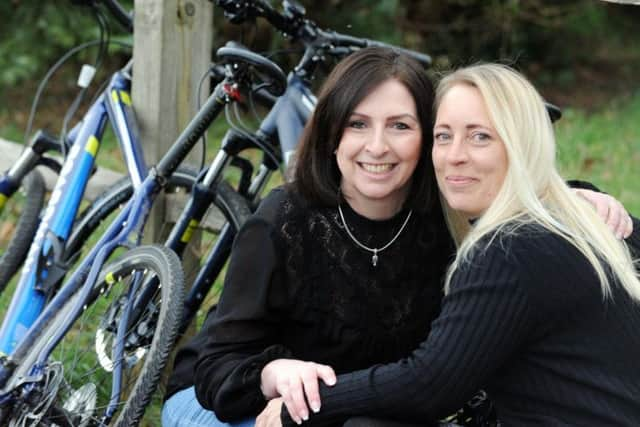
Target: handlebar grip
{"x": 263, "y": 65}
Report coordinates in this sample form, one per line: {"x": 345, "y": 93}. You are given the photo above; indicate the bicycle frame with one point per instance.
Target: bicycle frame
{"x": 39, "y": 273}
{"x": 288, "y": 116}
{"x": 279, "y": 132}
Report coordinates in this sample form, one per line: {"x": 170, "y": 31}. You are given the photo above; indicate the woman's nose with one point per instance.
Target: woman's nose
{"x": 377, "y": 144}
{"x": 457, "y": 152}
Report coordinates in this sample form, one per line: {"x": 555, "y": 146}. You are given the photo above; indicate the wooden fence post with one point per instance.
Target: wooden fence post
{"x": 172, "y": 45}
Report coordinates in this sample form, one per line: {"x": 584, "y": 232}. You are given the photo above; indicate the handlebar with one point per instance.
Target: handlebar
{"x": 554, "y": 111}
{"x": 344, "y": 40}
{"x": 293, "y": 24}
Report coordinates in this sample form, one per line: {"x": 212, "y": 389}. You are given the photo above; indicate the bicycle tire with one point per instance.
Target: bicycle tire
{"x": 82, "y": 381}
{"x": 25, "y": 205}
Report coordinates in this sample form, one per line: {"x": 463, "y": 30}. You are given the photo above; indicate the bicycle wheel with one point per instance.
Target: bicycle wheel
{"x": 19, "y": 220}
{"x": 77, "y": 380}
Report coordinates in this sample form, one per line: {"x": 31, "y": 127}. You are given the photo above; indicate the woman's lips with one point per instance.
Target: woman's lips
{"x": 460, "y": 180}
{"x": 377, "y": 168}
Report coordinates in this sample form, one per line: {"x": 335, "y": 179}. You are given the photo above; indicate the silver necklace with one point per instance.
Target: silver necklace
{"x": 374, "y": 257}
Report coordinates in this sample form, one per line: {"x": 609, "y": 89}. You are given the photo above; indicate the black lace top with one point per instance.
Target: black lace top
{"x": 297, "y": 286}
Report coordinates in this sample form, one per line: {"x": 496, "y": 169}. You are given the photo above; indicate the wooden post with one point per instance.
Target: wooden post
{"x": 172, "y": 47}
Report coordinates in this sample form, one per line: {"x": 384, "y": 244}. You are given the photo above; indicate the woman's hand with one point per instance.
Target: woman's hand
{"x": 270, "y": 416}
{"x": 293, "y": 380}
{"x": 610, "y": 210}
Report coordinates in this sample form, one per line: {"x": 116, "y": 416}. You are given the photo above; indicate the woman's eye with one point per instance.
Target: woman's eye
{"x": 481, "y": 137}
{"x": 400, "y": 126}
{"x": 441, "y": 137}
{"x": 356, "y": 124}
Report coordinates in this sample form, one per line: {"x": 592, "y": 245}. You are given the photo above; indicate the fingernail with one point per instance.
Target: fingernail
{"x": 332, "y": 382}
{"x": 305, "y": 415}
{"x": 298, "y": 420}
{"x": 315, "y": 407}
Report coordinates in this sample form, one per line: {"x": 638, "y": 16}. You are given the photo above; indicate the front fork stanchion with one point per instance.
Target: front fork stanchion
{"x": 212, "y": 267}
{"x": 118, "y": 353}
{"x": 151, "y": 187}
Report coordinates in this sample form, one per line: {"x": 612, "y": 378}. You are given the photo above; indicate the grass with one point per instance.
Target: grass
{"x": 604, "y": 148}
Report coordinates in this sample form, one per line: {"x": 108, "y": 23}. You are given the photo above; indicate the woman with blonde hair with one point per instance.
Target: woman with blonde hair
{"x": 532, "y": 190}
{"x": 542, "y": 301}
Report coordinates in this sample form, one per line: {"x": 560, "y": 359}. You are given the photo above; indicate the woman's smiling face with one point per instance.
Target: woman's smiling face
{"x": 380, "y": 148}
{"x": 469, "y": 157}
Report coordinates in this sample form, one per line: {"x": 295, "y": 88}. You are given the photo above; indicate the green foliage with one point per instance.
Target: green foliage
{"x": 35, "y": 32}
{"x": 362, "y": 18}
{"x": 548, "y": 36}
{"x": 38, "y": 33}
{"x": 549, "y": 40}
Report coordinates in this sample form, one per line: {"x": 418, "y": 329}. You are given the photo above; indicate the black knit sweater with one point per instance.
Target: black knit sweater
{"x": 297, "y": 286}
{"x": 525, "y": 320}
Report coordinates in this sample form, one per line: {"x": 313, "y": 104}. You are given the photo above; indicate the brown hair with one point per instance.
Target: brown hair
{"x": 316, "y": 174}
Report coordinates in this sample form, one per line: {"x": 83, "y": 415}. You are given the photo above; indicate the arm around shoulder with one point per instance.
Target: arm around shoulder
{"x": 486, "y": 309}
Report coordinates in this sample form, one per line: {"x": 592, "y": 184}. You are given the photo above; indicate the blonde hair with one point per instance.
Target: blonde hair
{"x": 532, "y": 191}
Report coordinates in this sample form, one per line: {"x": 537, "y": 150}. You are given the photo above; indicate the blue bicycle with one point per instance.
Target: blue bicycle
{"x": 49, "y": 378}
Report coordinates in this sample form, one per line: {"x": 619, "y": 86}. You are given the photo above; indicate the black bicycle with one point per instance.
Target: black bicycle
{"x": 218, "y": 206}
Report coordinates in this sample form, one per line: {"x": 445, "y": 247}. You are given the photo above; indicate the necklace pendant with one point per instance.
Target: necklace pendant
{"x": 374, "y": 258}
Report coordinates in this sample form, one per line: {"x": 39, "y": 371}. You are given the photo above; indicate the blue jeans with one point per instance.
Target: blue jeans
{"x": 183, "y": 410}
